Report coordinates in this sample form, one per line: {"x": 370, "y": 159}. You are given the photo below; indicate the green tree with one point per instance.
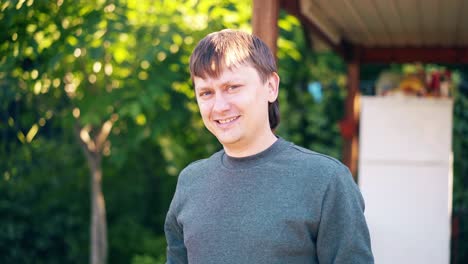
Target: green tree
{"x": 308, "y": 121}
{"x": 89, "y": 63}
{"x": 111, "y": 72}
{"x": 111, "y": 78}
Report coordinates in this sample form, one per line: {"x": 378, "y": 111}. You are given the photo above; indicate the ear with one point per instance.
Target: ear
{"x": 273, "y": 87}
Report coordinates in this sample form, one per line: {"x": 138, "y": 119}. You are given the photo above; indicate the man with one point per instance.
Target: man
{"x": 261, "y": 199}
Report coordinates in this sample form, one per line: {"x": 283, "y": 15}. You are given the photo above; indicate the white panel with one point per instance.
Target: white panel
{"x": 405, "y": 177}
{"x": 395, "y": 129}
{"x": 408, "y": 212}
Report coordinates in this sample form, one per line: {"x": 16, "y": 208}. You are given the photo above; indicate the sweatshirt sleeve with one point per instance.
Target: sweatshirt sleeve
{"x": 176, "y": 250}
{"x": 343, "y": 235}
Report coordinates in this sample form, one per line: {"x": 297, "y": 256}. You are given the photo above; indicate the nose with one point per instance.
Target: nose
{"x": 220, "y": 104}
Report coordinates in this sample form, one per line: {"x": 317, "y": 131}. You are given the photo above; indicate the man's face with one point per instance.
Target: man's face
{"x": 234, "y": 106}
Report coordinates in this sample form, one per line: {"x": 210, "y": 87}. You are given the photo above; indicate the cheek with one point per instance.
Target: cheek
{"x": 261, "y": 97}
{"x": 205, "y": 109}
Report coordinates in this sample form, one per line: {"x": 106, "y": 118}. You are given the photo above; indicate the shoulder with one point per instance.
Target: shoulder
{"x": 200, "y": 167}
{"x": 309, "y": 155}
{"x": 330, "y": 173}
{"x": 323, "y": 167}
{"x": 314, "y": 159}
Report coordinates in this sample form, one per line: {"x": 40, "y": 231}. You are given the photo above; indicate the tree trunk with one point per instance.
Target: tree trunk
{"x": 92, "y": 149}
{"x": 98, "y": 230}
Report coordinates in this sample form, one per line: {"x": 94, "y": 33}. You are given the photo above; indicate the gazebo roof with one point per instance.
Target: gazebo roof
{"x": 388, "y": 30}
{"x": 373, "y": 31}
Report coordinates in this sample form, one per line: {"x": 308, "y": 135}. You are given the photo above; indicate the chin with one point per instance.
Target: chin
{"x": 228, "y": 140}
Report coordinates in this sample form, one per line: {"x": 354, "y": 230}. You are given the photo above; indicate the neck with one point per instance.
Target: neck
{"x": 260, "y": 144}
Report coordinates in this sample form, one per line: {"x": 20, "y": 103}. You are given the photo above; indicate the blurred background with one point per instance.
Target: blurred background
{"x": 96, "y": 104}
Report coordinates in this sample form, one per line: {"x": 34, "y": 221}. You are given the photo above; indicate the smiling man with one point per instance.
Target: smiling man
{"x": 261, "y": 199}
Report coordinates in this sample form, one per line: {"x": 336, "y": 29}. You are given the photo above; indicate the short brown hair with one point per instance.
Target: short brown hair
{"x": 227, "y": 49}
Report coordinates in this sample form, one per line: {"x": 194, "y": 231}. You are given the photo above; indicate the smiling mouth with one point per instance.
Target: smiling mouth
{"x": 227, "y": 120}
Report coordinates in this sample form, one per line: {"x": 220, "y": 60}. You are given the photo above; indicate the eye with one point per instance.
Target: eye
{"x": 233, "y": 87}
{"x": 205, "y": 93}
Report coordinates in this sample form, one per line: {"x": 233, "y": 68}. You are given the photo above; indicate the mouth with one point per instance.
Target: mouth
{"x": 227, "y": 120}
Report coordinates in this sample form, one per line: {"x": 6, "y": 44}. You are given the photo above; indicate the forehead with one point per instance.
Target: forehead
{"x": 238, "y": 73}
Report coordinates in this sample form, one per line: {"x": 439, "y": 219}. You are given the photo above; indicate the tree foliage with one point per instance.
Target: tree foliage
{"x": 83, "y": 64}
{"x": 308, "y": 121}
{"x": 68, "y": 64}
{"x": 459, "y": 244}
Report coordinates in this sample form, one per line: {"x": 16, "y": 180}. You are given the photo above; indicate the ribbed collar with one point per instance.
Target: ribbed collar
{"x": 253, "y": 160}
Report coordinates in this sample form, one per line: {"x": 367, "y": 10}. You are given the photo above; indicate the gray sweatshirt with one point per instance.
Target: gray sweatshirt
{"x": 286, "y": 204}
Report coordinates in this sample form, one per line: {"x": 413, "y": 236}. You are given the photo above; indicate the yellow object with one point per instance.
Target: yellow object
{"x": 412, "y": 85}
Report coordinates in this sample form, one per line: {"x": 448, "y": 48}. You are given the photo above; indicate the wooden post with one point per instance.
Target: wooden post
{"x": 351, "y": 120}
{"x": 265, "y": 21}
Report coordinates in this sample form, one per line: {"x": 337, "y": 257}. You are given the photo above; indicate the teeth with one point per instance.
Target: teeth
{"x": 227, "y": 120}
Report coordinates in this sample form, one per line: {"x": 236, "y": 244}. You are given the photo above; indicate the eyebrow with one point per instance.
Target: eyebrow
{"x": 226, "y": 83}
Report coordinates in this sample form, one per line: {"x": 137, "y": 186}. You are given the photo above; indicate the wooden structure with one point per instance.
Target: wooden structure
{"x": 365, "y": 31}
